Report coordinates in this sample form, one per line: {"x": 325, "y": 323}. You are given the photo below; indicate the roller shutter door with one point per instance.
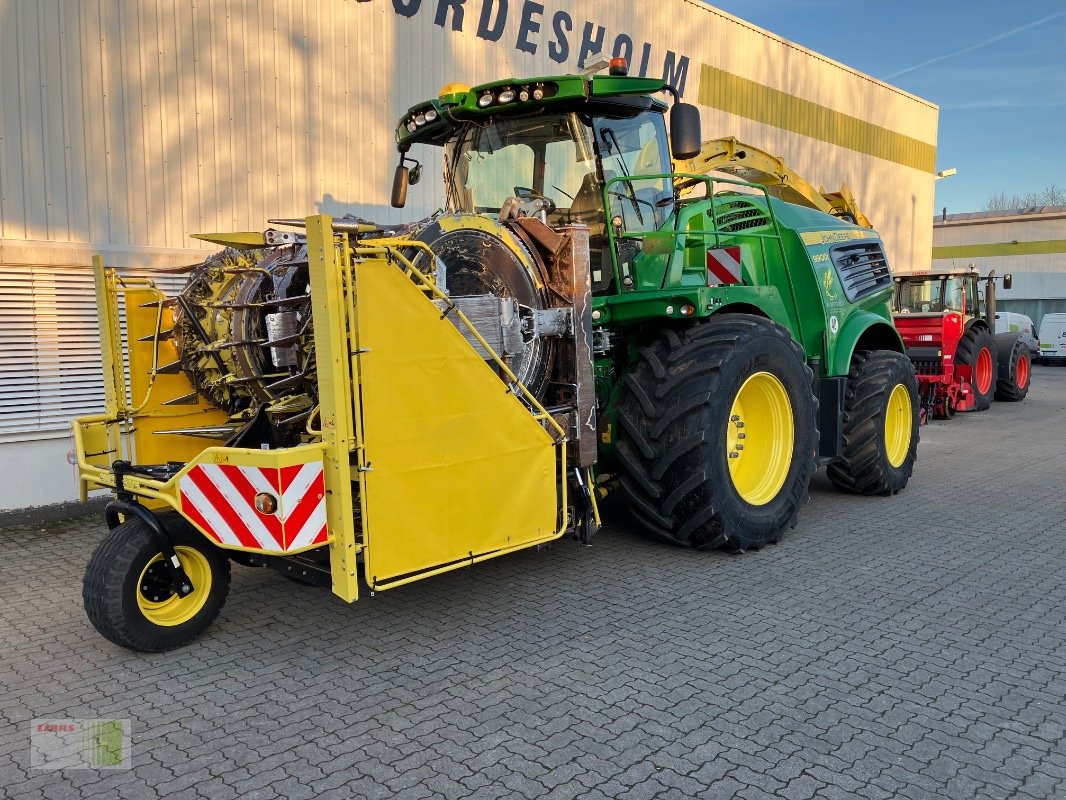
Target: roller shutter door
{"x": 49, "y": 349}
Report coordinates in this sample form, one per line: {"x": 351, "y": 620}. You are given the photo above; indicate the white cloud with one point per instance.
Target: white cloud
{"x": 997, "y": 38}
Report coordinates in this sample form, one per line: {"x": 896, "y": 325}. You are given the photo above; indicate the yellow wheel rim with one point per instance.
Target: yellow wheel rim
{"x": 759, "y": 439}
{"x": 159, "y": 603}
{"x": 898, "y": 422}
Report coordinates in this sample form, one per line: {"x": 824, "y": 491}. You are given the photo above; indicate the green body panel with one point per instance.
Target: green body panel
{"x": 809, "y": 236}
{"x": 788, "y": 276}
{"x": 640, "y": 306}
{"x": 863, "y": 325}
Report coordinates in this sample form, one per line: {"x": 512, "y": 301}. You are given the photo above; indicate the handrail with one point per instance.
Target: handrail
{"x": 714, "y": 233}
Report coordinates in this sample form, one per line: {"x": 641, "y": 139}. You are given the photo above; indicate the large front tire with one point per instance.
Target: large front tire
{"x": 126, "y": 595}
{"x": 977, "y": 350}
{"x": 717, "y": 434}
{"x": 881, "y": 408}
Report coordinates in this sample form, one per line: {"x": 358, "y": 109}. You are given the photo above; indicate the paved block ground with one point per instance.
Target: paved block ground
{"x": 891, "y": 647}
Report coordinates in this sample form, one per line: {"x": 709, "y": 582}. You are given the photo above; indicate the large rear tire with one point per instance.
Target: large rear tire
{"x": 717, "y": 434}
{"x": 977, "y": 350}
{"x": 125, "y": 590}
{"x": 1015, "y": 371}
{"x": 880, "y": 425}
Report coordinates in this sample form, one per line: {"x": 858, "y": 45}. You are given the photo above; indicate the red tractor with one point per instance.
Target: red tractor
{"x": 947, "y": 325}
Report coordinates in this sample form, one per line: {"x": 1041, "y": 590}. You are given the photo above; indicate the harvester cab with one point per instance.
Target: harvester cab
{"x": 570, "y": 150}
{"x": 947, "y": 321}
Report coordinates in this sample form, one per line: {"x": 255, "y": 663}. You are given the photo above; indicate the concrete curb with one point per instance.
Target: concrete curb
{"x": 58, "y": 512}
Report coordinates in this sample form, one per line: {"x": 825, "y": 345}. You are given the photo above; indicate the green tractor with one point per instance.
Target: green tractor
{"x": 739, "y": 341}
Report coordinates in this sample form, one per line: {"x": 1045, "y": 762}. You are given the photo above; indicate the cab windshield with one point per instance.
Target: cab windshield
{"x": 554, "y": 156}
{"x": 630, "y": 147}
{"x": 547, "y": 156}
{"x": 945, "y": 294}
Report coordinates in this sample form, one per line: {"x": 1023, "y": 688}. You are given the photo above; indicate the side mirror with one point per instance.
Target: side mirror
{"x": 685, "y": 135}
{"x": 1008, "y": 279}
{"x": 399, "y": 186}
{"x": 415, "y": 175}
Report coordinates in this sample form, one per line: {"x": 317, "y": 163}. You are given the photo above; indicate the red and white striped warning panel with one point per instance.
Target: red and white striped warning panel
{"x": 723, "y": 265}
{"x": 220, "y": 499}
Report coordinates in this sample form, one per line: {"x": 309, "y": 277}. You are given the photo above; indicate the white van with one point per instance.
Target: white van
{"x": 1053, "y": 338}
{"x": 1011, "y": 322}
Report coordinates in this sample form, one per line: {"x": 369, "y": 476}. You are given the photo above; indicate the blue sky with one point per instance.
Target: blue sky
{"x": 997, "y": 71}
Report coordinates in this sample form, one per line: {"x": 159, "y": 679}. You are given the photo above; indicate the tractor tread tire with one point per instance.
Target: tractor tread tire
{"x": 671, "y": 416}
{"x": 863, "y": 467}
{"x": 971, "y": 344}
{"x": 1010, "y": 356}
{"x": 110, "y": 585}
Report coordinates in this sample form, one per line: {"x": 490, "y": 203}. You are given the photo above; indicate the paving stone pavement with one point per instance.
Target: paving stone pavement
{"x": 903, "y": 647}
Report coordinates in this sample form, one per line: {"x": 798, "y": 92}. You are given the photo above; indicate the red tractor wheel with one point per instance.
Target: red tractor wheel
{"x": 1014, "y": 368}
{"x": 977, "y": 351}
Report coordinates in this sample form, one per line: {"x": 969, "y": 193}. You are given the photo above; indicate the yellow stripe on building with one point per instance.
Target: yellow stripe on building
{"x": 1000, "y": 249}
{"x": 746, "y": 98}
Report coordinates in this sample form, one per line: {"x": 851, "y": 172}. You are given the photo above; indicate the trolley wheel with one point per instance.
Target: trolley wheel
{"x": 127, "y": 592}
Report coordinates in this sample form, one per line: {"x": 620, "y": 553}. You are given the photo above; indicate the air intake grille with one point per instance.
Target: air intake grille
{"x": 862, "y": 268}
{"x": 739, "y": 215}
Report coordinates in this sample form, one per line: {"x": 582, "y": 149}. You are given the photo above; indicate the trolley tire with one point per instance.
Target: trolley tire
{"x": 112, "y": 594}
{"x": 971, "y": 352}
{"x": 673, "y": 418}
{"x": 881, "y": 425}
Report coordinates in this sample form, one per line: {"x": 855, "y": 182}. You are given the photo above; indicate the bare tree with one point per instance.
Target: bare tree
{"x": 1052, "y": 195}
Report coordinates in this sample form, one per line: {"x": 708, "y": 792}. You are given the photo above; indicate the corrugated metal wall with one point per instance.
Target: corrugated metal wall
{"x": 1030, "y": 244}
{"x": 127, "y": 125}
{"x": 136, "y": 123}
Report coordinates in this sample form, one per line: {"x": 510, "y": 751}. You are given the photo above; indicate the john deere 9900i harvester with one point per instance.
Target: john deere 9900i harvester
{"x": 584, "y": 314}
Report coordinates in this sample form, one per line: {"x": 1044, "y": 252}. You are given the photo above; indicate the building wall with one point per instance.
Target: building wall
{"x": 1030, "y": 244}
{"x": 126, "y": 126}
